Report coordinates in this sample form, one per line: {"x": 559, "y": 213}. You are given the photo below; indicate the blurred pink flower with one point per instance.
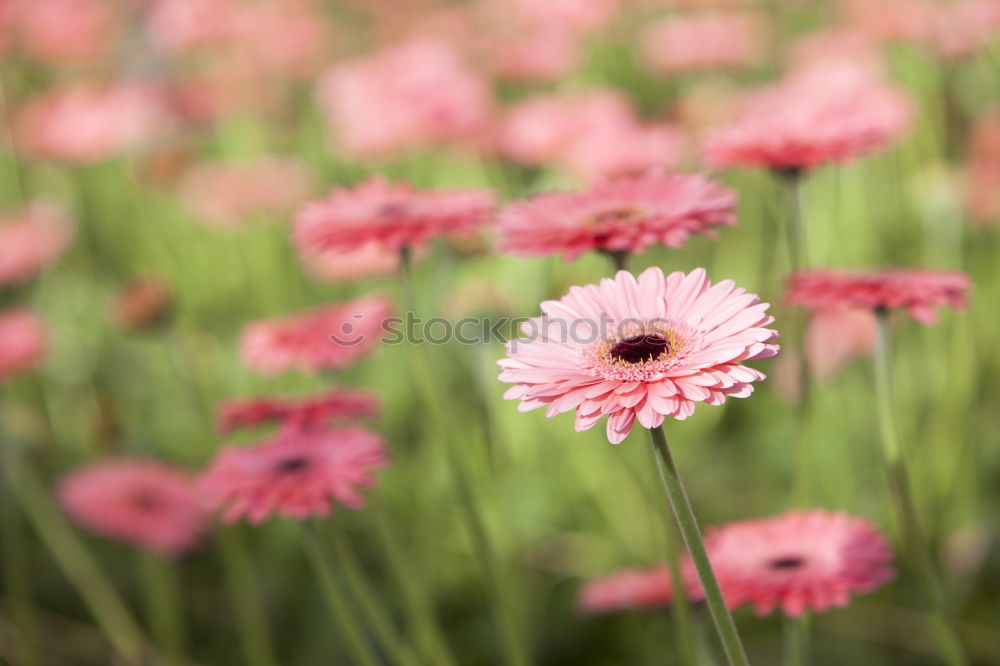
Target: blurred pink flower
{"x": 146, "y": 503}
{"x": 413, "y": 95}
{"x": 370, "y": 260}
{"x": 918, "y": 291}
{"x": 536, "y": 55}
{"x": 298, "y": 474}
{"x": 635, "y": 588}
{"x": 224, "y": 194}
{"x": 22, "y": 341}
{"x": 85, "y": 123}
{"x": 320, "y": 338}
{"x": 579, "y": 16}
{"x": 888, "y": 20}
{"x": 841, "y": 48}
{"x": 628, "y": 214}
{"x": 639, "y": 349}
{"x": 799, "y": 561}
{"x": 963, "y": 27}
{"x": 395, "y": 216}
{"x": 835, "y": 336}
{"x": 300, "y": 411}
{"x": 692, "y": 42}
{"x": 176, "y": 26}
{"x": 65, "y": 32}
{"x": 982, "y": 171}
{"x": 32, "y": 238}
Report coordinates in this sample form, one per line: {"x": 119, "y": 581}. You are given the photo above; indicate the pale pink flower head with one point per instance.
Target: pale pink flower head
{"x": 636, "y": 588}
{"x": 66, "y": 32}
{"x": 413, "y": 95}
{"x": 146, "y": 503}
{"x": 810, "y": 120}
{"x": 888, "y": 20}
{"x": 962, "y": 28}
{"x": 802, "y": 560}
{"x": 84, "y": 123}
{"x": 298, "y": 474}
{"x": 225, "y": 194}
{"x": 579, "y": 16}
{"x": 639, "y": 350}
{"x": 917, "y": 290}
{"x": 371, "y": 260}
{"x": 704, "y": 41}
{"x": 32, "y": 238}
{"x": 628, "y": 214}
{"x": 22, "y": 341}
{"x": 538, "y": 55}
{"x": 288, "y": 38}
{"x": 178, "y": 26}
{"x": 301, "y": 412}
{"x": 612, "y": 150}
{"x": 982, "y": 172}
{"x": 395, "y": 216}
{"x": 317, "y": 339}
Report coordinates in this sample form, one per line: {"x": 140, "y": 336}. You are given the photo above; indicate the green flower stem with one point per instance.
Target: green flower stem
{"x": 356, "y": 642}
{"x": 163, "y": 607}
{"x": 258, "y": 649}
{"x": 26, "y": 645}
{"x": 795, "y": 233}
{"x": 688, "y": 525}
{"x": 902, "y": 497}
{"x": 796, "y": 635}
{"x": 681, "y": 606}
{"x": 485, "y": 551}
{"x": 371, "y": 606}
{"x": 619, "y": 259}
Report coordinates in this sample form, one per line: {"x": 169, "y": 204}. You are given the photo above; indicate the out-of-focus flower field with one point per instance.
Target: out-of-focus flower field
{"x": 259, "y": 260}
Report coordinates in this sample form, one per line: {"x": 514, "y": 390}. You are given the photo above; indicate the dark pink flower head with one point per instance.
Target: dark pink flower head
{"x": 84, "y": 124}
{"x": 639, "y": 349}
{"x": 22, "y": 341}
{"x": 321, "y": 338}
{"x": 300, "y": 412}
{"x": 808, "y": 121}
{"x": 298, "y": 474}
{"x": 32, "y": 238}
{"x": 395, "y": 216}
{"x": 413, "y": 95}
{"x": 628, "y": 214}
{"x": 142, "y": 502}
{"x": 636, "y": 588}
{"x": 918, "y": 291}
{"x": 802, "y": 560}
{"x": 711, "y": 40}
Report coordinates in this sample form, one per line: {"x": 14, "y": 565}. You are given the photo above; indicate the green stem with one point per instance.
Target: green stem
{"x": 681, "y": 606}
{"x": 371, "y": 606}
{"x": 619, "y": 259}
{"x": 796, "y": 635}
{"x": 248, "y": 607}
{"x": 26, "y": 643}
{"x": 163, "y": 607}
{"x": 902, "y": 497}
{"x": 688, "y": 525}
{"x": 795, "y": 233}
{"x": 357, "y": 643}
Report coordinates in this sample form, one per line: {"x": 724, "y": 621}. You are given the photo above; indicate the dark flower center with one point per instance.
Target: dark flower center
{"x": 291, "y": 465}
{"x": 786, "y": 563}
{"x": 621, "y": 214}
{"x": 146, "y": 500}
{"x": 640, "y": 348}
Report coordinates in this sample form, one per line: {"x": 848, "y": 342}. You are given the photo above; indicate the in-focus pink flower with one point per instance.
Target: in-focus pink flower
{"x": 22, "y": 341}
{"x": 810, "y": 120}
{"x": 710, "y": 40}
{"x": 639, "y": 349}
{"x": 395, "y": 216}
{"x": 299, "y": 412}
{"x": 84, "y": 123}
{"x": 918, "y": 291}
{"x": 298, "y": 474}
{"x": 66, "y": 32}
{"x": 799, "y": 561}
{"x": 321, "y": 338}
{"x": 636, "y": 588}
{"x": 31, "y": 239}
{"x": 224, "y": 194}
{"x": 368, "y": 261}
{"x": 628, "y": 214}
{"x": 413, "y": 95}
{"x": 146, "y": 503}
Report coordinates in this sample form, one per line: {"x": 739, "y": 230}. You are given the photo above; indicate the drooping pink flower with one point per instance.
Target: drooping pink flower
{"x": 84, "y": 123}
{"x": 146, "y": 503}
{"x": 710, "y": 40}
{"x": 320, "y": 338}
{"x": 32, "y": 238}
{"x": 413, "y": 95}
{"x": 224, "y": 194}
{"x": 65, "y": 32}
{"x": 799, "y": 561}
{"x": 22, "y": 341}
{"x": 299, "y": 412}
{"x": 298, "y": 474}
{"x": 636, "y": 588}
{"x": 639, "y": 349}
{"x": 395, "y": 216}
{"x": 810, "y": 120}
{"x": 628, "y": 214}
{"x": 331, "y": 265}
{"x": 918, "y": 291}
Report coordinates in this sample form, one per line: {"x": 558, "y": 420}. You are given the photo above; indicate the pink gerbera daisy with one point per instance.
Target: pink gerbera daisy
{"x": 321, "y": 338}
{"x": 395, "y": 216}
{"x": 710, "y": 40}
{"x": 22, "y": 341}
{"x": 297, "y": 474}
{"x": 639, "y": 349}
{"x": 143, "y": 502}
{"x": 32, "y": 238}
{"x": 622, "y": 215}
{"x": 307, "y": 411}
{"x": 802, "y": 560}
{"x": 918, "y": 291}
{"x": 636, "y": 588}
